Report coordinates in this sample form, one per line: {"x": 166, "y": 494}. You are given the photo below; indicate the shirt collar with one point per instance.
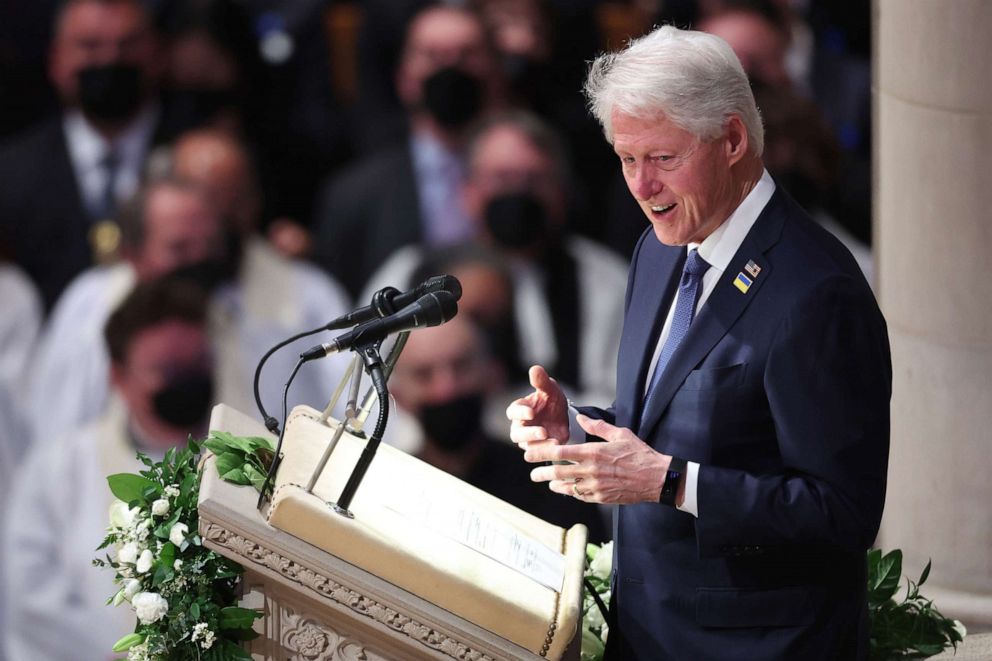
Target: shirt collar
{"x": 87, "y": 146}
{"x": 430, "y": 155}
{"x": 721, "y": 246}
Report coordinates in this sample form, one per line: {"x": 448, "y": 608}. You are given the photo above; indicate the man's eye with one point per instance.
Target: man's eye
{"x": 627, "y": 160}
{"x": 664, "y": 158}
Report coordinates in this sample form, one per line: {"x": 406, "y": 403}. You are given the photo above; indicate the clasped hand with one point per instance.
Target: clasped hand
{"x": 623, "y": 470}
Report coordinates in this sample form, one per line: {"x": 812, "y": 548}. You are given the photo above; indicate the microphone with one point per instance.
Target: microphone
{"x": 389, "y": 300}
{"x": 433, "y": 309}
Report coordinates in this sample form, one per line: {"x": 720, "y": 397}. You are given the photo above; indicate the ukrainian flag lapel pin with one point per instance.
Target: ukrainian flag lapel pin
{"x": 742, "y": 281}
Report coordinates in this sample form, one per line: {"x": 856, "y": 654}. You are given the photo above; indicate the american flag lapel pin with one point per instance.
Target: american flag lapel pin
{"x": 752, "y": 269}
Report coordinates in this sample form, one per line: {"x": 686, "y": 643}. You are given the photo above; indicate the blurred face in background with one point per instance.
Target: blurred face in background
{"x": 91, "y": 36}
{"x": 165, "y": 365}
{"x": 453, "y": 42}
{"x": 759, "y": 46}
{"x": 219, "y": 165}
{"x": 180, "y": 229}
{"x": 514, "y": 190}
{"x": 440, "y": 364}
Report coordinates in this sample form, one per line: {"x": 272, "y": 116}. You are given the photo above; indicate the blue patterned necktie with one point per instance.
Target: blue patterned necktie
{"x": 685, "y": 310}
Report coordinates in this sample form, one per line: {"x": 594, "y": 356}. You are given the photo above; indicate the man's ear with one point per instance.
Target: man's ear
{"x": 736, "y": 137}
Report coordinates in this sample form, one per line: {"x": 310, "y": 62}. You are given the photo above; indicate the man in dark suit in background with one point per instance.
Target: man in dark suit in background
{"x": 748, "y": 443}
{"x": 411, "y": 193}
{"x": 64, "y": 177}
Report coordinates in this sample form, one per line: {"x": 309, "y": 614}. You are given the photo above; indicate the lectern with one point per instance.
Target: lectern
{"x": 427, "y": 566}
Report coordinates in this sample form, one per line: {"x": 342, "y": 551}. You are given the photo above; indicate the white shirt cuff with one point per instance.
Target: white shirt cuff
{"x": 691, "y": 479}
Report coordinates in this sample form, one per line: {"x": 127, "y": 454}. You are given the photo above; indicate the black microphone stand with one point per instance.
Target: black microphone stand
{"x": 373, "y": 365}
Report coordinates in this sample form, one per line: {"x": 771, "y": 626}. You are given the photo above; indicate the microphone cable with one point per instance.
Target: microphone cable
{"x": 270, "y": 422}
{"x": 282, "y": 433}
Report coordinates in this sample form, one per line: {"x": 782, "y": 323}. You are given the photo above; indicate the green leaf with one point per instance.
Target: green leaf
{"x": 228, "y": 461}
{"x": 926, "y": 574}
{"x": 235, "y": 475}
{"x": 194, "y": 611}
{"x": 234, "y": 617}
{"x": 128, "y": 641}
{"x": 885, "y": 582}
{"x": 129, "y": 487}
{"x": 254, "y": 476}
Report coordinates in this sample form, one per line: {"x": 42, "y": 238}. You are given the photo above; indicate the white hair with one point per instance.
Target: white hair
{"x": 692, "y": 78}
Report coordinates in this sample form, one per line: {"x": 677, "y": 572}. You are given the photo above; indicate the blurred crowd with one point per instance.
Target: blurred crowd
{"x": 183, "y": 184}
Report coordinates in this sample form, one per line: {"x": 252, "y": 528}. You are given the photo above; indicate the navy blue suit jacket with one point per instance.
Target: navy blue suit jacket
{"x": 781, "y": 394}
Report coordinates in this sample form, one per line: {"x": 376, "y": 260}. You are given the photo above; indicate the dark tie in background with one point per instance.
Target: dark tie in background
{"x": 685, "y": 310}
{"x": 108, "y": 198}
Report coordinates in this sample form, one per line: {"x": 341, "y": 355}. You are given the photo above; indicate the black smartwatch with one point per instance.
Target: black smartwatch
{"x": 673, "y": 480}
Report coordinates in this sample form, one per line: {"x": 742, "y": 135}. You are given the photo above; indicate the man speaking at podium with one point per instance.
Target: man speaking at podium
{"x": 748, "y": 443}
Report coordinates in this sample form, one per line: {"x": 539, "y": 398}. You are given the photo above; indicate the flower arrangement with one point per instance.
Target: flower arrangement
{"x": 184, "y": 595}
{"x": 908, "y": 629}
{"x": 599, "y": 566}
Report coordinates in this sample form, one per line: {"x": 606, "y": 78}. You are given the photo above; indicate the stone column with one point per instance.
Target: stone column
{"x": 933, "y": 251}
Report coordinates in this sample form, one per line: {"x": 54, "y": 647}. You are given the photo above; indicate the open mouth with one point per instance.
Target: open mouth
{"x": 661, "y": 209}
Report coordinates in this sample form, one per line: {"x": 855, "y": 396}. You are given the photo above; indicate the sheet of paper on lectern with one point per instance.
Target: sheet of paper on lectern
{"x": 484, "y": 533}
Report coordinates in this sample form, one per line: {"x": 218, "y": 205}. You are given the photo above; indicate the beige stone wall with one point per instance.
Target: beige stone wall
{"x": 933, "y": 252}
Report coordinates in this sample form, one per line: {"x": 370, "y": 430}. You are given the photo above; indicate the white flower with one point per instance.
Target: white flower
{"x": 594, "y": 618}
{"x": 120, "y": 515}
{"x": 160, "y": 507}
{"x": 141, "y": 530}
{"x": 145, "y": 561}
{"x": 960, "y": 628}
{"x": 131, "y": 587}
{"x": 177, "y": 565}
{"x": 602, "y": 564}
{"x": 178, "y": 533}
{"x": 129, "y": 553}
{"x": 171, "y": 491}
{"x": 202, "y": 633}
{"x": 149, "y": 607}
{"x": 138, "y": 652}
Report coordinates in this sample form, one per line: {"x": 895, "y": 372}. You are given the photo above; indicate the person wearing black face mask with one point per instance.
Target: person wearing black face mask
{"x": 69, "y": 173}
{"x": 410, "y": 193}
{"x": 161, "y": 371}
{"x": 442, "y": 380}
{"x": 568, "y": 309}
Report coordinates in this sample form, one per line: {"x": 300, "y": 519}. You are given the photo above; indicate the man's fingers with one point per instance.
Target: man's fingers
{"x": 540, "y": 379}
{"x": 553, "y": 451}
{"x": 564, "y": 472}
{"x": 600, "y": 428}
{"x": 523, "y": 433}
{"x": 520, "y": 409}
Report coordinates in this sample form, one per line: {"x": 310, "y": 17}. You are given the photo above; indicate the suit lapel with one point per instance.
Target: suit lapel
{"x": 721, "y": 310}
{"x": 657, "y": 278}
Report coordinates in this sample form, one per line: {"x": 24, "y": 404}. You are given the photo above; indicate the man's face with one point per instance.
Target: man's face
{"x": 505, "y": 161}
{"x": 156, "y": 357}
{"x": 180, "y": 229}
{"x": 440, "y": 364}
{"x": 441, "y": 38}
{"x": 683, "y": 185}
{"x": 96, "y": 33}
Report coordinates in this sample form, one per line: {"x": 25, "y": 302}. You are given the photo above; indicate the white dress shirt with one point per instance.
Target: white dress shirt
{"x": 88, "y": 148}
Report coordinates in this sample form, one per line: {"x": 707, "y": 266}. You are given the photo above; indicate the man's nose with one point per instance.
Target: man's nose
{"x": 644, "y": 185}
